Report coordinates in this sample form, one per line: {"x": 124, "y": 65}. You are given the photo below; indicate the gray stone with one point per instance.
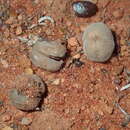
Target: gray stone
{"x": 98, "y": 42}
{"x": 27, "y": 92}
{"x": 48, "y": 55}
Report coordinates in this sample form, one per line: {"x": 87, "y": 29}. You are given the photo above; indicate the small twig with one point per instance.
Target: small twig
{"x": 127, "y": 116}
{"x": 22, "y": 39}
{"x": 41, "y": 21}
{"x": 32, "y": 26}
{"x": 123, "y": 111}
{"x": 125, "y": 87}
{"x": 31, "y": 40}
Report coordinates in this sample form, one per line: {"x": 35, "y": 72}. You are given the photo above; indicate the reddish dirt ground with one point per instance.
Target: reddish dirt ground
{"x": 78, "y": 98}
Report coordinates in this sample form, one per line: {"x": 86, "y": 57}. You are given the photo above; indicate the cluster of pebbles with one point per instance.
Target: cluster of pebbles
{"x": 98, "y": 46}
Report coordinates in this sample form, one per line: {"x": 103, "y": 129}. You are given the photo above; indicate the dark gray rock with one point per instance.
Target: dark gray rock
{"x": 84, "y": 8}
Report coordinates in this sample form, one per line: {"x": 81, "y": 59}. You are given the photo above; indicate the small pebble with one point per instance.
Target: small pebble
{"x": 104, "y": 71}
{"x": 26, "y": 121}
{"x": 68, "y": 23}
{"x": 72, "y": 41}
{"x": 98, "y": 42}
{"x": 77, "y": 62}
{"x": 14, "y": 126}
{"x": 28, "y": 71}
{"x": 84, "y": 8}
{"x": 18, "y": 30}
{"x": 56, "y": 82}
{"x": 117, "y": 81}
{"x": 77, "y": 56}
{"x": 20, "y": 17}
{"x": 4, "y": 63}
{"x": 7, "y": 32}
{"x": 6, "y": 118}
{"x": 118, "y": 14}
{"x": 10, "y": 20}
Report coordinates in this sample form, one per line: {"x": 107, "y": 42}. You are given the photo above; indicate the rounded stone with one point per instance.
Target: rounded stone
{"x": 84, "y": 8}
{"x": 48, "y": 55}
{"x": 98, "y": 42}
{"x": 27, "y": 92}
